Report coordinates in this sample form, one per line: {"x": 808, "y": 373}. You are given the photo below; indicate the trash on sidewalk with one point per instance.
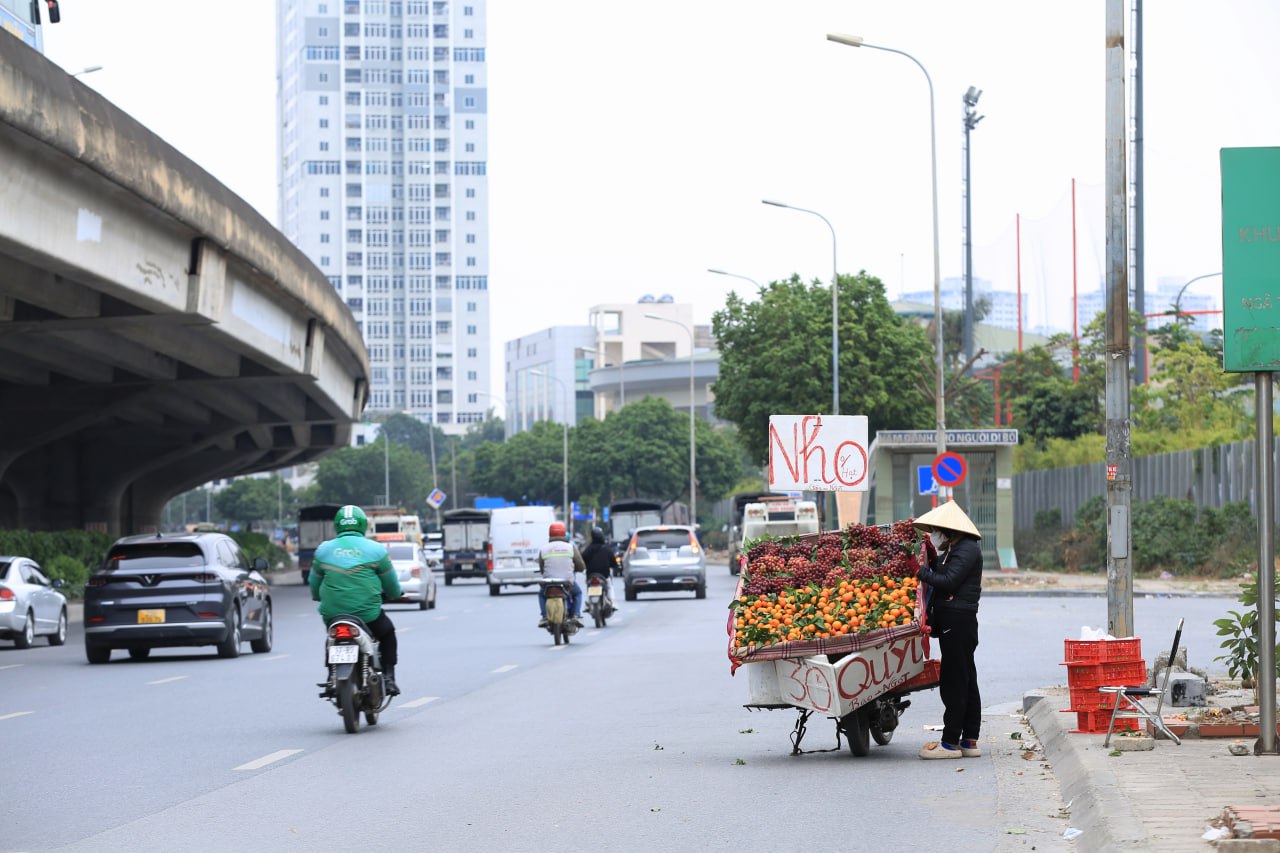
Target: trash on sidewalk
{"x": 1071, "y": 833}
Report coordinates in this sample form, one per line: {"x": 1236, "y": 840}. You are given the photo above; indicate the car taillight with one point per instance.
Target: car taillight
{"x": 209, "y": 615}
{"x": 416, "y": 572}
{"x": 97, "y": 580}
{"x": 205, "y": 577}
{"x": 342, "y": 631}
{"x": 6, "y": 594}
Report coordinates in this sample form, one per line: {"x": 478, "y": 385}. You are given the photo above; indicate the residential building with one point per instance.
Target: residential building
{"x": 1004, "y": 303}
{"x": 383, "y": 162}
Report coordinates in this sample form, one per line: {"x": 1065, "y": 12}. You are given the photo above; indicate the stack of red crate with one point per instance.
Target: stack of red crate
{"x": 1102, "y": 663}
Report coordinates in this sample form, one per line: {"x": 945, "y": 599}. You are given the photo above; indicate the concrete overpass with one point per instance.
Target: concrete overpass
{"x": 155, "y": 331}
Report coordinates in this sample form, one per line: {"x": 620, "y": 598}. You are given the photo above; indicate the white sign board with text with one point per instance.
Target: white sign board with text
{"x": 818, "y": 453}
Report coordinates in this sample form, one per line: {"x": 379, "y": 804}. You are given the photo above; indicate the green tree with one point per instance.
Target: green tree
{"x": 357, "y": 474}
{"x": 491, "y": 429}
{"x": 775, "y": 358}
{"x": 254, "y": 499}
{"x": 528, "y": 468}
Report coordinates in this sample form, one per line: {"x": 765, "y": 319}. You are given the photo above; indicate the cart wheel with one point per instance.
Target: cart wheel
{"x": 880, "y": 736}
{"x": 856, "y": 726}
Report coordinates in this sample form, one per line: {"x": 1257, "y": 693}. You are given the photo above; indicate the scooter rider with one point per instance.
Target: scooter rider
{"x": 601, "y": 561}
{"x": 560, "y": 558}
{"x": 351, "y": 575}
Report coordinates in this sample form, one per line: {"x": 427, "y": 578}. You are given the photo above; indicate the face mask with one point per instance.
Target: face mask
{"x": 936, "y": 537}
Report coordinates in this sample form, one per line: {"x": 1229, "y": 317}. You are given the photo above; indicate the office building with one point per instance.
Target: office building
{"x": 382, "y": 183}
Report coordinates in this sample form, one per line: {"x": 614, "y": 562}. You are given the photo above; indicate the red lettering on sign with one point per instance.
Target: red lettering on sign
{"x": 893, "y": 663}
{"x": 846, "y": 465}
{"x": 819, "y": 689}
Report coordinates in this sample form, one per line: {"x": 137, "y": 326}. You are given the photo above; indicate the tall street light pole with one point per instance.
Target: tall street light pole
{"x": 941, "y": 406}
{"x": 693, "y": 480}
{"x": 1177, "y": 303}
{"x": 835, "y": 305}
{"x": 971, "y": 119}
{"x": 568, "y": 514}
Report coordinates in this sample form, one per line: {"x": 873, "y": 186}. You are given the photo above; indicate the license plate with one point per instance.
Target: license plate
{"x": 594, "y": 590}
{"x": 150, "y": 617}
{"x": 664, "y": 555}
{"x": 344, "y": 654}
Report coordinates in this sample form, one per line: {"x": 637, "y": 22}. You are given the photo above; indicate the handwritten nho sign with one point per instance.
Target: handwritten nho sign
{"x": 818, "y": 453}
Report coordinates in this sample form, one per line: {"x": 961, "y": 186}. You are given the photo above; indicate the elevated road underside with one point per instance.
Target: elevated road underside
{"x": 156, "y": 332}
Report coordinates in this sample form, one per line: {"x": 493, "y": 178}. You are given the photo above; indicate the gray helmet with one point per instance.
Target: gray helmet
{"x": 597, "y": 535}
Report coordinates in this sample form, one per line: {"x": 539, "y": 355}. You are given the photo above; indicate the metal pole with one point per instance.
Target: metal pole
{"x": 386, "y": 465}
{"x": 941, "y": 406}
{"x": 693, "y": 482}
{"x": 1139, "y": 276}
{"x": 835, "y": 303}
{"x": 1266, "y": 675}
{"x": 971, "y": 119}
{"x": 1119, "y": 481}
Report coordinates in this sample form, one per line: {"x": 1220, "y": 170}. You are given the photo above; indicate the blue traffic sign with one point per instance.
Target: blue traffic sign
{"x": 436, "y": 498}
{"x": 949, "y": 469}
{"x": 924, "y": 477}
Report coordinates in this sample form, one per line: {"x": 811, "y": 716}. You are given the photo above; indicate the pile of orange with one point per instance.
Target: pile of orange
{"x": 852, "y": 607}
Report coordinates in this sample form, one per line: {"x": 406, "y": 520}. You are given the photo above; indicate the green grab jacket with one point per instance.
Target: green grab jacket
{"x": 350, "y": 575}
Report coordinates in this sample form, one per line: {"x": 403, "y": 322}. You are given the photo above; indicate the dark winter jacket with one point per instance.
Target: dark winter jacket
{"x": 955, "y": 574}
{"x": 600, "y": 559}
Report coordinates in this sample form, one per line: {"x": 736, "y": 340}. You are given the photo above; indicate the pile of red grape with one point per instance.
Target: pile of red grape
{"x": 856, "y": 553}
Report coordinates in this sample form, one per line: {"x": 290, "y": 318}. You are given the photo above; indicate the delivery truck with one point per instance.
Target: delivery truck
{"x": 466, "y": 544}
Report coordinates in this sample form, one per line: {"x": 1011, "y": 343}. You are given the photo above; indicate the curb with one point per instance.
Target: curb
{"x": 1085, "y": 593}
{"x": 1099, "y": 807}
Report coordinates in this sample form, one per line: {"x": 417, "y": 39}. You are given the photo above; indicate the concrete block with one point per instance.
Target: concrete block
{"x": 1248, "y": 845}
{"x": 1130, "y": 743}
{"x": 1187, "y": 690}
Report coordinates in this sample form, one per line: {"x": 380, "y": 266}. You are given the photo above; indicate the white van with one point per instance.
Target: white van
{"x": 516, "y": 537}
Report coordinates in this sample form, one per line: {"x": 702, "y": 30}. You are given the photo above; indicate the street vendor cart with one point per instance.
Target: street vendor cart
{"x": 866, "y": 652}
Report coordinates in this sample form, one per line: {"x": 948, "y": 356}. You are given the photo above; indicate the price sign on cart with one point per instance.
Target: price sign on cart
{"x": 818, "y": 453}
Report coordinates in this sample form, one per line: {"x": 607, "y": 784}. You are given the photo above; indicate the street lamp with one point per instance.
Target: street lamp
{"x": 735, "y": 275}
{"x": 835, "y": 306}
{"x": 856, "y": 41}
{"x": 89, "y": 70}
{"x": 971, "y": 119}
{"x": 1177, "y": 303}
{"x": 693, "y": 482}
{"x": 568, "y": 516}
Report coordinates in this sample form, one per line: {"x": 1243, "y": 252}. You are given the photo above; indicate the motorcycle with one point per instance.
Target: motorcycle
{"x": 599, "y": 605}
{"x": 355, "y": 682}
{"x": 559, "y": 622}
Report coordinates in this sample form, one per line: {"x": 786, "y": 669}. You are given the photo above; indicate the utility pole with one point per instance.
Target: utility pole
{"x": 971, "y": 119}
{"x": 1139, "y": 275}
{"x": 1119, "y": 465}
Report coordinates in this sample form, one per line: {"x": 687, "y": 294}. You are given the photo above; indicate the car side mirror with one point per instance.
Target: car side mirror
{"x": 58, "y": 583}
{"x": 259, "y": 564}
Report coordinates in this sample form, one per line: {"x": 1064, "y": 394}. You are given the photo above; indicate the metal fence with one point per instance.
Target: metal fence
{"x": 1208, "y": 476}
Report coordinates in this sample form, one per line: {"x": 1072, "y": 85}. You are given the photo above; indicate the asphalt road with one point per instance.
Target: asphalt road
{"x": 631, "y": 737}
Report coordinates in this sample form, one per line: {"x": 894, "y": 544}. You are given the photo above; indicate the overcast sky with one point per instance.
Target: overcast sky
{"x": 631, "y": 144}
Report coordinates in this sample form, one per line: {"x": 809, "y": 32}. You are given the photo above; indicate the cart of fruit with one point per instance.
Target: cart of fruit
{"x": 834, "y": 623}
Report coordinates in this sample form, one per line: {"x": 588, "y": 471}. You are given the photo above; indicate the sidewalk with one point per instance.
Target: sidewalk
{"x": 1163, "y": 799}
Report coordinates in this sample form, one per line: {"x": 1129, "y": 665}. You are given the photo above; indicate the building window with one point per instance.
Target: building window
{"x": 324, "y": 192}
{"x": 471, "y": 330}
{"x": 324, "y": 214}
{"x": 324, "y": 238}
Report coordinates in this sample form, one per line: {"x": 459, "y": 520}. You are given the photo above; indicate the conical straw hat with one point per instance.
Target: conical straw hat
{"x": 948, "y": 516}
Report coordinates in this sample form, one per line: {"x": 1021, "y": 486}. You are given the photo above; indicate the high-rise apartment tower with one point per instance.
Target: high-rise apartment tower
{"x": 383, "y": 159}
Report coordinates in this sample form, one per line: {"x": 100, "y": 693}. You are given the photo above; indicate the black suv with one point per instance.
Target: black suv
{"x": 184, "y": 589}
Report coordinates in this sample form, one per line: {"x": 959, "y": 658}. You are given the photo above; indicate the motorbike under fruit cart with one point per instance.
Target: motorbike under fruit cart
{"x": 860, "y": 681}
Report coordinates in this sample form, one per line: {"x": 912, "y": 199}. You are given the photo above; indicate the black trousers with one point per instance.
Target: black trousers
{"x": 385, "y": 633}
{"x": 957, "y": 634}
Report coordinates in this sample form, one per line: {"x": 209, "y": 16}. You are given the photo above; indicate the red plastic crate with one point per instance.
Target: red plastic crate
{"x": 1100, "y": 651}
{"x": 1096, "y": 722}
{"x": 1091, "y": 699}
{"x": 1087, "y": 676}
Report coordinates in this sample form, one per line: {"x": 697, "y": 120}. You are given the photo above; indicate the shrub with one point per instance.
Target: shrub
{"x": 257, "y": 545}
{"x": 70, "y": 571}
{"x": 86, "y": 547}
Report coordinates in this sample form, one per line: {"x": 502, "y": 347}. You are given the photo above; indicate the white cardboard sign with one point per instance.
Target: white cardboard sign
{"x": 818, "y": 453}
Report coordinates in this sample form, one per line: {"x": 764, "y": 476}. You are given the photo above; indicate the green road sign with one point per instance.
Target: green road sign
{"x": 1251, "y": 259}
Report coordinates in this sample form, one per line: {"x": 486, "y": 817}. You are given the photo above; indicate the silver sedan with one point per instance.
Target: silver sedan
{"x": 416, "y": 580}
{"x": 30, "y": 604}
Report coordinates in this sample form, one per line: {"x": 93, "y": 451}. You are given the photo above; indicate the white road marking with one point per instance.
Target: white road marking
{"x": 11, "y": 666}
{"x": 441, "y": 618}
{"x": 418, "y": 703}
{"x": 259, "y": 763}
{"x": 169, "y": 679}
{"x": 277, "y": 657}
{"x": 503, "y": 669}
{"x": 15, "y": 714}
{"x": 557, "y": 648}
{"x": 404, "y": 630}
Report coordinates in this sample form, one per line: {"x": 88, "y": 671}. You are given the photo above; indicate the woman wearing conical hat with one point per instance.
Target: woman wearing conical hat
{"x": 954, "y": 574}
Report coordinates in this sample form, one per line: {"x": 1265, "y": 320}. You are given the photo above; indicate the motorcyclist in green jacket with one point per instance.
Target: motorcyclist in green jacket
{"x": 351, "y": 576}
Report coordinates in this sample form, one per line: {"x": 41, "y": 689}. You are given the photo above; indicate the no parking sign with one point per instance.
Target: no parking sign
{"x": 949, "y": 469}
